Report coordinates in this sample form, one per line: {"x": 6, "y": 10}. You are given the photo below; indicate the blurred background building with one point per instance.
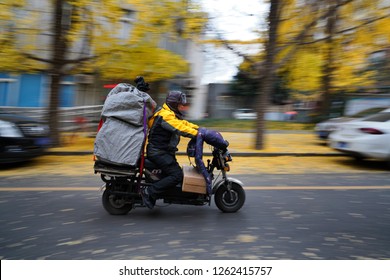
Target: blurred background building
{"x": 31, "y": 89}
{"x": 357, "y": 53}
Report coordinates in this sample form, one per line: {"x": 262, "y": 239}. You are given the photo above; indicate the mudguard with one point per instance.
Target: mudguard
{"x": 221, "y": 182}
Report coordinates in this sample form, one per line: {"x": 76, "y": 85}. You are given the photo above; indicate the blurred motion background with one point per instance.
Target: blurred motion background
{"x": 291, "y": 61}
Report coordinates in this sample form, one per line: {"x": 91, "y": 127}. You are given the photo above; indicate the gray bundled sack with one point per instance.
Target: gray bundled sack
{"x": 120, "y": 140}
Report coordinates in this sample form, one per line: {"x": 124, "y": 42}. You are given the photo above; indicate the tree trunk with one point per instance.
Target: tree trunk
{"x": 53, "y": 109}
{"x": 59, "y": 48}
{"x": 267, "y": 74}
{"x": 328, "y": 68}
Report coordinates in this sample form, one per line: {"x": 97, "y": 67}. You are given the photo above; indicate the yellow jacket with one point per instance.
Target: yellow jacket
{"x": 166, "y": 129}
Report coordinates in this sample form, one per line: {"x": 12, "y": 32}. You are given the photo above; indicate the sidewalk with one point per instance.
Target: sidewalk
{"x": 293, "y": 152}
{"x": 277, "y": 143}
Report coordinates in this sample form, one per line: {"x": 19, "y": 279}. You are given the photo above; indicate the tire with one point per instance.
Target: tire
{"x": 114, "y": 204}
{"x": 359, "y": 159}
{"x": 229, "y": 201}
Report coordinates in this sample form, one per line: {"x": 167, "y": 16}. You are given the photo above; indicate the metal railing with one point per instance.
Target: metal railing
{"x": 85, "y": 118}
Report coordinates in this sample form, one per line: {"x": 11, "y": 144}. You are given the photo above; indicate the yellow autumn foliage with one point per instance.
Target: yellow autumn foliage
{"x": 362, "y": 28}
{"x": 96, "y": 30}
{"x": 305, "y": 72}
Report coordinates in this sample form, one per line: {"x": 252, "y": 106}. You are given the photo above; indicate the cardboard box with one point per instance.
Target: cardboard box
{"x": 193, "y": 181}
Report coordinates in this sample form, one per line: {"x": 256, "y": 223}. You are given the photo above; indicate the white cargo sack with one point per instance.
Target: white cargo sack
{"x": 125, "y": 112}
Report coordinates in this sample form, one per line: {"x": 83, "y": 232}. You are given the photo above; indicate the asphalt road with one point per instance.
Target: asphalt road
{"x": 286, "y": 216}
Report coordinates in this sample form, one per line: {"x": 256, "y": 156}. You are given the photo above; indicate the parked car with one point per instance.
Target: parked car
{"x": 364, "y": 138}
{"x": 244, "y": 114}
{"x": 21, "y": 138}
{"x": 324, "y": 128}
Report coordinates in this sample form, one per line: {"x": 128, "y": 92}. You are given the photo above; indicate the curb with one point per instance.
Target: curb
{"x": 236, "y": 154}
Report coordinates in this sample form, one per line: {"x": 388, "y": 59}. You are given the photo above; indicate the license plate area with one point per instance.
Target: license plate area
{"x": 342, "y": 144}
{"x": 42, "y": 141}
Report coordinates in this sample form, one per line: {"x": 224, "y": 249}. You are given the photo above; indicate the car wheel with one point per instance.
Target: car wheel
{"x": 359, "y": 159}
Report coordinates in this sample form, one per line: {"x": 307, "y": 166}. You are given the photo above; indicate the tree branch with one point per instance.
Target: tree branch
{"x": 33, "y": 57}
{"x": 301, "y": 36}
{"x": 234, "y": 50}
{"x": 347, "y": 30}
{"x": 64, "y": 62}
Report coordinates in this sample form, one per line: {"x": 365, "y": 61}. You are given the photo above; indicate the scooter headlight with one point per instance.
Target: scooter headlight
{"x": 227, "y": 156}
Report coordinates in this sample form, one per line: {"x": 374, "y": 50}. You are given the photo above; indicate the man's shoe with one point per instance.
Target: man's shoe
{"x": 147, "y": 199}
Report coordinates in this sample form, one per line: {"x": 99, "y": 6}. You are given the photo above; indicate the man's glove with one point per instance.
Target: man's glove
{"x": 141, "y": 84}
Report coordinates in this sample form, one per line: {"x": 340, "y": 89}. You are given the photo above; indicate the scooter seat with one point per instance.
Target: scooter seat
{"x": 114, "y": 169}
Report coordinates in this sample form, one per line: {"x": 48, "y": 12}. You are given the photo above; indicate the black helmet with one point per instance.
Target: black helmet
{"x": 175, "y": 97}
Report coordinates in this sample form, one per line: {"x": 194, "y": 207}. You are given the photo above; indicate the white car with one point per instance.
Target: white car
{"x": 364, "y": 138}
{"x": 324, "y": 128}
{"x": 244, "y": 114}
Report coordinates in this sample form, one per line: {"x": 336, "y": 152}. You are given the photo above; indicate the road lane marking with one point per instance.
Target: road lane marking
{"x": 316, "y": 188}
{"x": 249, "y": 188}
{"x": 40, "y": 189}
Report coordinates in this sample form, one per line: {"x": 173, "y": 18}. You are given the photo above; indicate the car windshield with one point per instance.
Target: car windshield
{"x": 367, "y": 112}
{"x": 381, "y": 117}
{"x": 244, "y": 110}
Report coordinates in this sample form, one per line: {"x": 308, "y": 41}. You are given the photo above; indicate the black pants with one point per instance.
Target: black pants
{"x": 171, "y": 172}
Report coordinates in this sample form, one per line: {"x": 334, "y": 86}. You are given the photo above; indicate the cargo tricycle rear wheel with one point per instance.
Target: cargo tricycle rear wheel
{"x": 115, "y": 204}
